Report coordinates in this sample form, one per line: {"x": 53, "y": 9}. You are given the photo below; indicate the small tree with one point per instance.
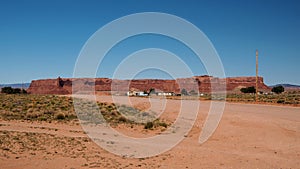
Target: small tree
{"x": 16, "y": 91}
{"x": 278, "y": 89}
{"x": 7, "y": 90}
{"x": 24, "y": 91}
{"x": 248, "y": 89}
{"x": 10, "y": 90}
{"x": 184, "y": 92}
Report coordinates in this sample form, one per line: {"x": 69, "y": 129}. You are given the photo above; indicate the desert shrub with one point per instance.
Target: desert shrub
{"x": 122, "y": 119}
{"x": 43, "y": 118}
{"x": 72, "y": 116}
{"x": 114, "y": 113}
{"x": 60, "y": 116}
{"x": 30, "y": 116}
{"x": 288, "y": 102}
{"x": 145, "y": 114}
{"x": 149, "y": 125}
{"x": 163, "y": 124}
{"x": 280, "y": 101}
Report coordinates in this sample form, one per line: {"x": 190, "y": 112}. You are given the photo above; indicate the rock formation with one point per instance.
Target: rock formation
{"x": 203, "y": 84}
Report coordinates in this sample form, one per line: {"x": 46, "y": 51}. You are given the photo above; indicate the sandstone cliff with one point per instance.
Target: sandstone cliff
{"x": 203, "y": 84}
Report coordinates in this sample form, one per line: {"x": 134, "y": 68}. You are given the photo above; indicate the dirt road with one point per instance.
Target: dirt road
{"x": 248, "y": 136}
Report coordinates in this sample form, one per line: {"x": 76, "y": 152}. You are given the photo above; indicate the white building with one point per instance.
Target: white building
{"x": 165, "y": 94}
{"x": 135, "y": 93}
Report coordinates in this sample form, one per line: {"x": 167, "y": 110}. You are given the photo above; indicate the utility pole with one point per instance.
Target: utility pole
{"x": 256, "y": 88}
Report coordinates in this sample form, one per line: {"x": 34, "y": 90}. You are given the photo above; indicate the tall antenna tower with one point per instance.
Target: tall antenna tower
{"x": 256, "y": 88}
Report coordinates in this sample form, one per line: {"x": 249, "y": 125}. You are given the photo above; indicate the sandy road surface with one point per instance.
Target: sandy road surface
{"x": 248, "y": 136}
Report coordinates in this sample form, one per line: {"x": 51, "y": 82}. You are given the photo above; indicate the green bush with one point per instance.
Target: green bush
{"x": 60, "y": 116}
{"x": 122, "y": 119}
{"x": 163, "y": 124}
{"x": 10, "y": 90}
{"x": 248, "y": 90}
{"x": 149, "y": 125}
{"x": 280, "y": 101}
{"x": 278, "y": 89}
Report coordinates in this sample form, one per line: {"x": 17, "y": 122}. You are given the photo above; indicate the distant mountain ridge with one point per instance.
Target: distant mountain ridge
{"x": 285, "y": 85}
{"x": 288, "y": 86}
{"x": 16, "y": 85}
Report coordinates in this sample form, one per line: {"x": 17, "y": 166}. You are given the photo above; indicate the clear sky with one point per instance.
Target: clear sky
{"x": 42, "y": 39}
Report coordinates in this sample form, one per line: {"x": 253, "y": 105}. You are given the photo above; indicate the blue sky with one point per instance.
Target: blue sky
{"x": 42, "y": 39}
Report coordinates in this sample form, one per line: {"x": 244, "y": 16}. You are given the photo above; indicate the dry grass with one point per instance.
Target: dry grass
{"x": 56, "y": 108}
{"x": 287, "y": 98}
{"x": 36, "y": 107}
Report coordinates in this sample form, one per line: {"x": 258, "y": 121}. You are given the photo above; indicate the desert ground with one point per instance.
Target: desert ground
{"x": 248, "y": 136}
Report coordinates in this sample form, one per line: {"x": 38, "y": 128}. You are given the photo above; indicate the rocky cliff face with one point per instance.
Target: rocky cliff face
{"x": 203, "y": 84}
{"x": 47, "y": 86}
